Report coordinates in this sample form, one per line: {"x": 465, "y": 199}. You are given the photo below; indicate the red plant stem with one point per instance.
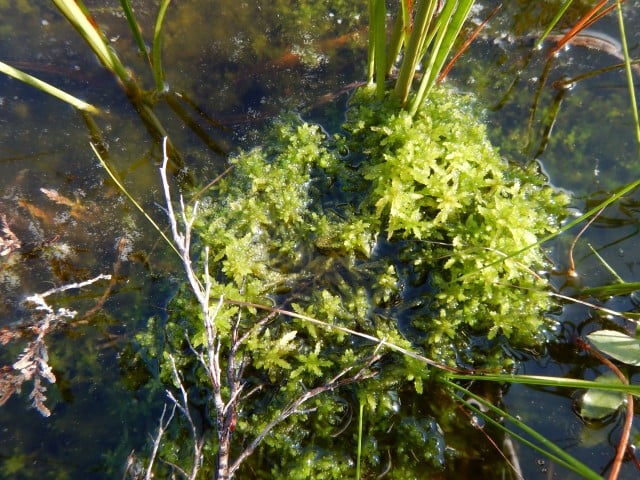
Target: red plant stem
{"x": 578, "y": 26}
{"x": 211, "y": 183}
{"x": 586, "y": 21}
{"x": 626, "y": 429}
{"x": 465, "y": 45}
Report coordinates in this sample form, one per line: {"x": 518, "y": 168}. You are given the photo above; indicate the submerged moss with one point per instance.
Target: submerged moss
{"x": 404, "y": 238}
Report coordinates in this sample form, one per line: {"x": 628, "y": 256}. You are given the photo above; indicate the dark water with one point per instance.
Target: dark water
{"x": 239, "y": 64}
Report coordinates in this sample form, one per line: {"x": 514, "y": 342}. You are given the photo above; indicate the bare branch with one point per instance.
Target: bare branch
{"x": 203, "y": 294}
{"x": 293, "y": 407}
{"x": 162, "y": 427}
{"x": 38, "y": 298}
{"x": 9, "y": 242}
{"x": 183, "y": 406}
{"x": 210, "y": 360}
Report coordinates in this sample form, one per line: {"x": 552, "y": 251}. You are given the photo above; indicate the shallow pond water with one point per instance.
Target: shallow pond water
{"x": 235, "y": 65}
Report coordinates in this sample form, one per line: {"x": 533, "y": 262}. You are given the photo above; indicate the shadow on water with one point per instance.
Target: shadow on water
{"x": 231, "y": 66}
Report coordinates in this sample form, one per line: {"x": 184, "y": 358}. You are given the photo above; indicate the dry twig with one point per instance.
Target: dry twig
{"x": 9, "y": 242}
{"x": 33, "y": 362}
{"x": 210, "y": 358}
{"x": 162, "y": 427}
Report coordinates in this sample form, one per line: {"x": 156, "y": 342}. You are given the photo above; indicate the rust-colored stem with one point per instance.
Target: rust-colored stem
{"x": 465, "y": 45}
{"x": 626, "y": 428}
{"x": 592, "y": 16}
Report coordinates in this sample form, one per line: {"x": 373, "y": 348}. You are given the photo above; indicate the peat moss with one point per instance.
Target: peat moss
{"x": 436, "y": 181}
{"x": 400, "y": 228}
{"x": 427, "y": 197}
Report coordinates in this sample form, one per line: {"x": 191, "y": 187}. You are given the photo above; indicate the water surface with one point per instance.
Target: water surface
{"x": 240, "y": 63}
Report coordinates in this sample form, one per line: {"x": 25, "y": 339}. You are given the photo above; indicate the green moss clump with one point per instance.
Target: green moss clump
{"x": 399, "y": 228}
{"x": 437, "y": 181}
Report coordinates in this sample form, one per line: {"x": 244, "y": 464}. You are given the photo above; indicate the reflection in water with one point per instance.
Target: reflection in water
{"x": 231, "y": 66}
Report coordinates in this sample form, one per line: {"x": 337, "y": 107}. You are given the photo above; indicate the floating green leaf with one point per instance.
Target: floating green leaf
{"x": 618, "y": 345}
{"x": 598, "y": 404}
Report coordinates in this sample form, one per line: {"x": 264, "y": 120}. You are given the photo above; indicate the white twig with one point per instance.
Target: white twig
{"x": 293, "y": 407}
{"x": 38, "y": 298}
{"x": 162, "y": 427}
{"x": 210, "y": 360}
{"x": 183, "y": 241}
{"x": 183, "y": 406}
{"x": 203, "y": 295}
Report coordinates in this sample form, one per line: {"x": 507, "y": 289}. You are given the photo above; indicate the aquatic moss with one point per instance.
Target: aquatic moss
{"x": 400, "y": 228}
{"x": 437, "y": 181}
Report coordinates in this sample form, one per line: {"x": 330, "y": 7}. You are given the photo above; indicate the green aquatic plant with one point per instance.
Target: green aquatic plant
{"x": 437, "y": 181}
{"x": 430, "y": 193}
{"x": 406, "y": 226}
{"x": 402, "y": 228}
{"x": 368, "y": 230}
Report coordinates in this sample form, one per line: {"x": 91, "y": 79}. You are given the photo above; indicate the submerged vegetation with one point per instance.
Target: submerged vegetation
{"x": 398, "y": 229}
{"x": 407, "y": 226}
{"x": 359, "y": 275}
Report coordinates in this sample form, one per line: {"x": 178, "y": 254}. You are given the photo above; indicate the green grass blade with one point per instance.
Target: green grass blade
{"x": 359, "y": 454}
{"x": 379, "y": 30}
{"x": 135, "y": 28}
{"x": 371, "y": 61}
{"x": 395, "y": 44}
{"x": 452, "y": 32}
{"x": 448, "y": 26}
{"x": 47, "y": 88}
{"x": 156, "y": 51}
{"x": 434, "y": 47}
{"x": 75, "y": 13}
{"x": 133, "y": 200}
{"x": 547, "y": 382}
{"x": 630, "y": 83}
{"x": 612, "y": 290}
{"x": 414, "y": 47}
{"x": 399, "y": 36}
{"x": 613, "y": 198}
{"x": 545, "y": 447}
{"x": 554, "y": 22}
{"x": 605, "y": 264}
{"x": 568, "y": 82}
